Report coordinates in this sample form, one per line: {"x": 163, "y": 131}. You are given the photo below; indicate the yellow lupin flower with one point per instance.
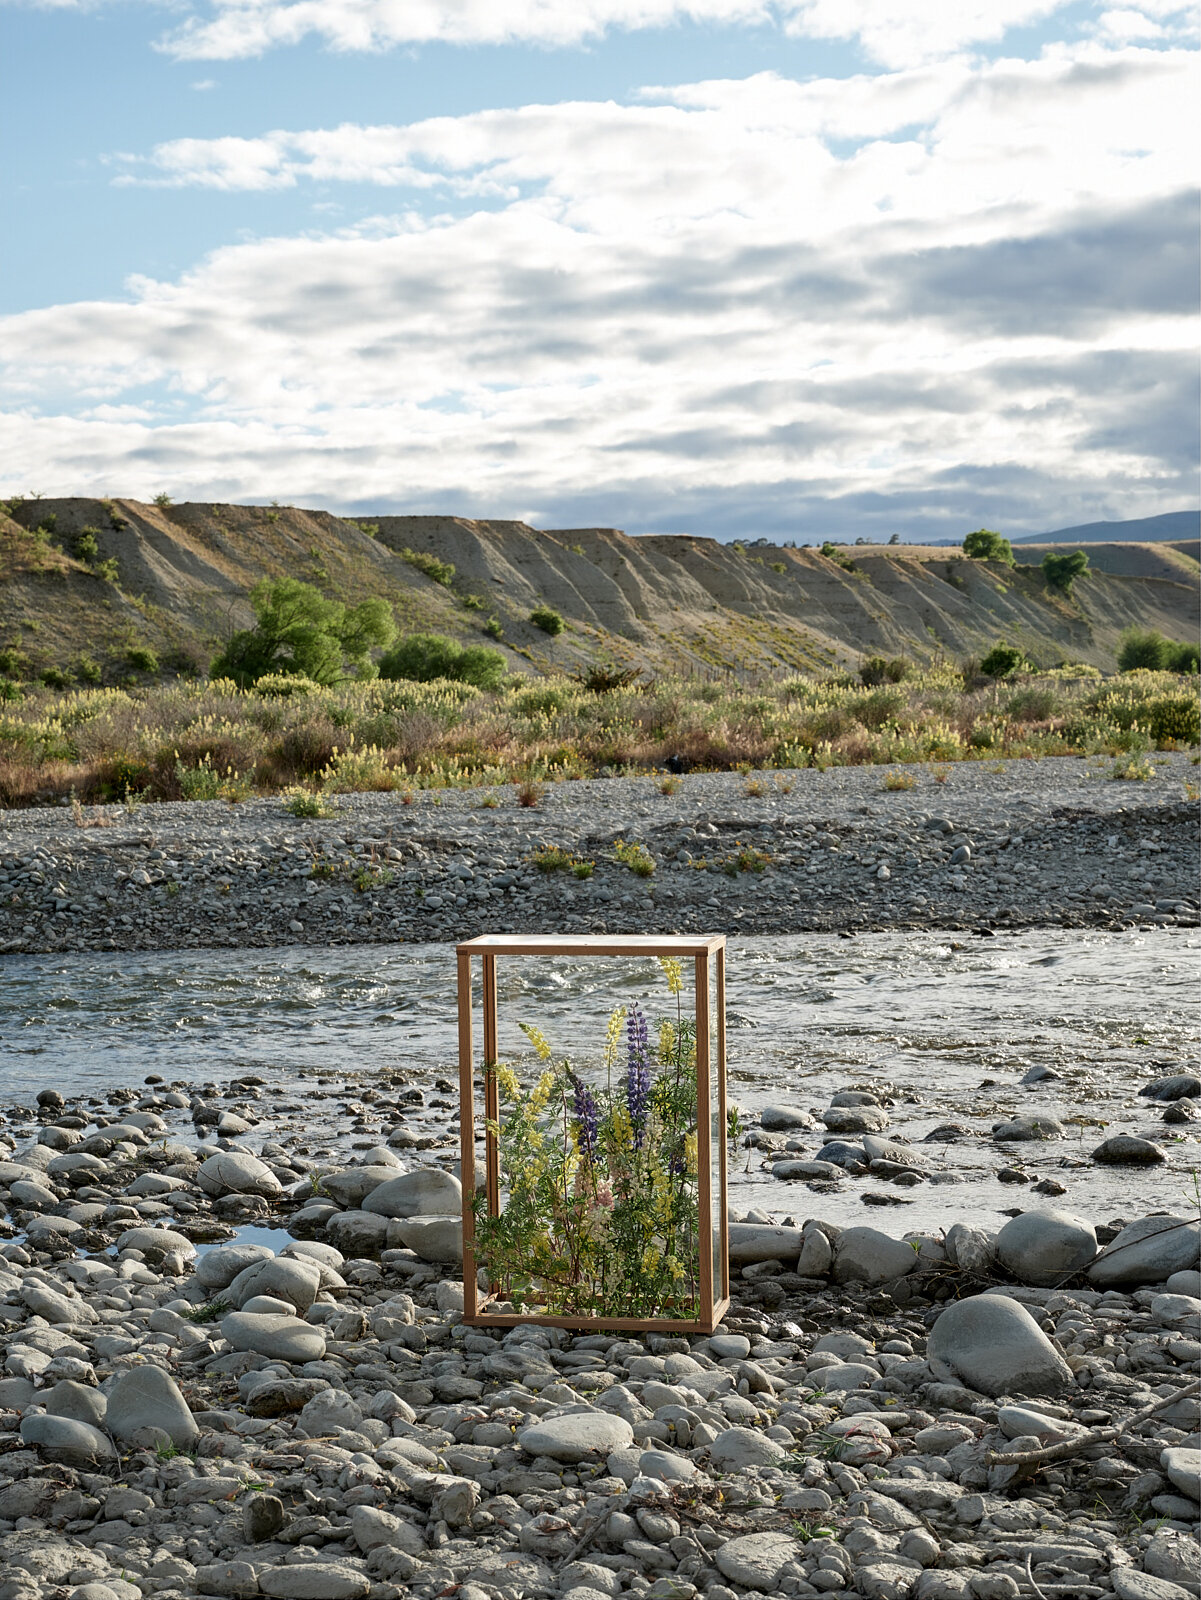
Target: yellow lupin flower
{"x": 541, "y": 1095}
{"x": 673, "y": 971}
{"x": 690, "y": 1154}
{"x": 650, "y": 1259}
{"x": 676, "y": 1270}
{"x": 538, "y": 1039}
{"x": 613, "y": 1034}
{"x": 667, "y": 1040}
{"x": 506, "y": 1082}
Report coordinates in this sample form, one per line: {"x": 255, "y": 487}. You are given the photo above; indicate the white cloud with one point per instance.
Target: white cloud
{"x": 701, "y": 296}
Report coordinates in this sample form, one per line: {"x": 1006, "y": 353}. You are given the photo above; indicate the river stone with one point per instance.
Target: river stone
{"x": 434, "y": 1238}
{"x": 1176, "y": 1557}
{"x": 278, "y": 1338}
{"x": 666, "y": 1465}
{"x": 1148, "y": 1251}
{"x": 313, "y": 1250}
{"x": 758, "y": 1241}
{"x": 1131, "y": 1584}
{"x": 426, "y": 1192}
{"x": 1024, "y": 1422}
{"x": 331, "y": 1411}
{"x": 266, "y": 1305}
{"x": 817, "y": 1254}
{"x": 237, "y": 1172}
{"x": 865, "y": 1255}
{"x": 744, "y": 1447}
{"x": 75, "y": 1444}
{"x": 756, "y": 1560}
{"x": 778, "y": 1119}
{"x": 840, "y": 1154}
{"x": 1188, "y": 1282}
{"x": 148, "y": 1397}
{"x": 78, "y": 1401}
{"x": 160, "y": 1239}
{"x": 1042, "y": 1247}
{"x": 217, "y": 1269}
{"x": 855, "y": 1119}
{"x": 901, "y": 1155}
{"x": 66, "y": 1310}
{"x": 357, "y": 1233}
{"x": 822, "y": 1171}
{"x": 1126, "y": 1150}
{"x": 993, "y": 1344}
{"x": 578, "y": 1436}
{"x": 351, "y": 1186}
{"x": 295, "y": 1282}
{"x": 971, "y": 1249}
{"x": 1183, "y": 1467}
{"x": 314, "y": 1580}
{"x": 1180, "y": 1086}
{"x": 1027, "y": 1130}
{"x": 373, "y": 1526}
{"x": 729, "y": 1346}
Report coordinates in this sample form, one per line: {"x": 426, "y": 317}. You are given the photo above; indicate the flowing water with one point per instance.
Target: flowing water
{"x": 945, "y": 1027}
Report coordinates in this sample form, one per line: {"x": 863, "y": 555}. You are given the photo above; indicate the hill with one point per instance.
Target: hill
{"x": 1142, "y": 530}
{"x": 90, "y": 586}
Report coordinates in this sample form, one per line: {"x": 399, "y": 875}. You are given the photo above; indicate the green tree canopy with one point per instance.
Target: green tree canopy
{"x": 426, "y": 656}
{"x": 1061, "y": 571}
{"x": 985, "y": 545}
{"x": 300, "y": 633}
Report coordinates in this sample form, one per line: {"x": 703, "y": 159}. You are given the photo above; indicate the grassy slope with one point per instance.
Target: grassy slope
{"x": 680, "y": 603}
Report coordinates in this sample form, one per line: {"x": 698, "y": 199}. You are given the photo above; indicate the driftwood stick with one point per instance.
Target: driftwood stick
{"x": 1071, "y": 1447}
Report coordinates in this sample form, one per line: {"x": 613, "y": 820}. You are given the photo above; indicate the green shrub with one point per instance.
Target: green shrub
{"x": 1002, "y": 660}
{"x": 86, "y": 670}
{"x": 442, "y": 572}
{"x": 1147, "y": 648}
{"x": 142, "y": 658}
{"x": 985, "y": 545}
{"x": 9, "y": 690}
{"x": 546, "y": 619}
{"x": 306, "y": 803}
{"x": 605, "y": 679}
{"x": 56, "y": 678}
{"x": 881, "y": 669}
{"x": 162, "y": 500}
{"x": 471, "y": 602}
{"x": 494, "y": 628}
{"x": 426, "y": 656}
{"x": 299, "y": 633}
{"x": 1061, "y": 571}
{"x": 1032, "y": 705}
{"x": 108, "y": 571}
{"x": 14, "y": 663}
{"x": 86, "y": 547}
{"x": 1172, "y": 718}
{"x": 1180, "y": 657}
{"x": 543, "y": 702}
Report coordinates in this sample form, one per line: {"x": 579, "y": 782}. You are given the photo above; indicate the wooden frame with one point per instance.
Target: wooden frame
{"x": 708, "y": 953}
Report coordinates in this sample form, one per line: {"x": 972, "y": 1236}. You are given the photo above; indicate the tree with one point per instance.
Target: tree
{"x": 1061, "y": 571}
{"x": 302, "y": 634}
{"x": 1002, "y": 660}
{"x": 985, "y": 545}
{"x": 423, "y": 657}
{"x": 1147, "y": 647}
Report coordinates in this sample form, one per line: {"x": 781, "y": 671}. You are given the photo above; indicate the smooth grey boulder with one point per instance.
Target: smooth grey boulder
{"x": 759, "y": 1241}
{"x": 1176, "y": 1557}
{"x": 1028, "y": 1130}
{"x": 237, "y": 1172}
{"x": 855, "y": 1119}
{"x": 825, "y": 1171}
{"x": 993, "y": 1344}
{"x": 148, "y": 1397}
{"x": 1025, "y": 1422}
{"x": 278, "y": 1338}
{"x": 744, "y": 1447}
{"x": 666, "y": 1465}
{"x": 1127, "y": 1150}
{"x": 1148, "y": 1251}
{"x": 865, "y": 1255}
{"x": 1043, "y": 1247}
{"x": 78, "y": 1401}
{"x": 296, "y": 1282}
{"x": 840, "y": 1154}
{"x": 357, "y": 1233}
{"x": 1183, "y": 1467}
{"x": 151, "y": 1239}
{"x": 1131, "y": 1584}
{"x": 314, "y": 1580}
{"x": 267, "y": 1305}
{"x": 578, "y": 1436}
{"x": 1187, "y": 1282}
{"x": 1180, "y": 1086}
{"x": 331, "y": 1411}
{"x": 65, "y": 1310}
{"x": 217, "y": 1268}
{"x": 75, "y": 1444}
{"x": 433, "y": 1238}
{"x": 351, "y": 1186}
{"x": 971, "y": 1249}
{"x": 373, "y": 1527}
{"x": 779, "y": 1119}
{"x": 313, "y": 1250}
{"x": 756, "y": 1560}
{"x": 901, "y": 1155}
{"x": 428, "y": 1191}
{"x": 817, "y": 1254}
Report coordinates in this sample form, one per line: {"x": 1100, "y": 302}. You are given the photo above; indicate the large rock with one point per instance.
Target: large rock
{"x": 1183, "y": 1467}
{"x": 79, "y": 1401}
{"x": 841, "y": 1154}
{"x": 901, "y": 1155}
{"x": 971, "y": 1249}
{"x": 148, "y": 1397}
{"x": 426, "y": 1192}
{"x": 865, "y": 1255}
{"x": 314, "y": 1580}
{"x": 756, "y": 1560}
{"x": 217, "y": 1268}
{"x": 63, "y": 1309}
{"x": 759, "y": 1241}
{"x": 433, "y": 1238}
{"x": 373, "y": 1527}
{"x": 237, "y": 1172}
{"x": 779, "y": 1119}
{"x": 1131, "y": 1584}
{"x": 357, "y": 1233}
{"x": 75, "y": 1444}
{"x": 855, "y": 1119}
{"x": 352, "y": 1185}
{"x": 331, "y": 1411}
{"x": 744, "y": 1447}
{"x": 817, "y": 1254}
{"x": 1028, "y": 1130}
{"x": 577, "y": 1436}
{"x": 992, "y": 1344}
{"x": 1043, "y": 1247}
{"x": 296, "y": 1282}
{"x": 279, "y": 1338}
{"x": 1127, "y": 1150}
{"x": 1148, "y": 1251}
{"x": 1180, "y": 1086}
{"x": 1176, "y": 1557}
{"x": 163, "y": 1240}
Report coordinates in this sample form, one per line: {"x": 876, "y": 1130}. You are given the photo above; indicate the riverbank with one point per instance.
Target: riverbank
{"x": 1052, "y": 842}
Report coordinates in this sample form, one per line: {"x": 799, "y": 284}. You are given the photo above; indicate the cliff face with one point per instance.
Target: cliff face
{"x": 681, "y": 603}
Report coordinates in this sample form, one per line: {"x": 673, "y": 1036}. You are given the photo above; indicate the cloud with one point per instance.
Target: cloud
{"x": 958, "y": 291}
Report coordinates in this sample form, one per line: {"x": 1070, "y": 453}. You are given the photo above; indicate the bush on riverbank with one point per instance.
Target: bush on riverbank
{"x": 107, "y": 744}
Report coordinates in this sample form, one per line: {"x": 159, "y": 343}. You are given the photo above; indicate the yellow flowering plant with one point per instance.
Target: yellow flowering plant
{"x": 599, "y": 1178}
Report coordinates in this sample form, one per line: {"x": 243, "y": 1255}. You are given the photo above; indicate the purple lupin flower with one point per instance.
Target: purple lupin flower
{"x": 587, "y": 1123}
{"x": 638, "y": 1074}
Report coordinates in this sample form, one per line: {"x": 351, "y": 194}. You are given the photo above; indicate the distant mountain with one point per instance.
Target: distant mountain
{"x": 1138, "y": 530}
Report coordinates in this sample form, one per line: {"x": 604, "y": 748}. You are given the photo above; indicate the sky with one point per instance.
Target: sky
{"x": 783, "y": 268}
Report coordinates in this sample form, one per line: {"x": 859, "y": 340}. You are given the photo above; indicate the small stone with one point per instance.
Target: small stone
{"x": 217, "y": 1268}
{"x": 1183, "y": 1467}
{"x": 75, "y": 1444}
{"x": 1126, "y": 1150}
{"x": 148, "y": 1397}
{"x": 577, "y": 1436}
{"x": 314, "y": 1580}
{"x": 730, "y": 1346}
{"x": 855, "y": 1119}
{"x": 263, "y": 1516}
{"x": 237, "y": 1172}
{"x": 1028, "y": 1130}
{"x": 1131, "y": 1584}
{"x": 331, "y": 1411}
{"x": 433, "y": 1238}
{"x": 78, "y": 1401}
{"x": 755, "y": 1241}
{"x": 993, "y": 1344}
{"x": 294, "y": 1282}
{"x": 755, "y": 1560}
{"x": 744, "y": 1447}
{"x": 666, "y": 1466}
{"x": 373, "y": 1527}
{"x": 1180, "y": 1086}
{"x": 282, "y": 1338}
{"x": 817, "y": 1254}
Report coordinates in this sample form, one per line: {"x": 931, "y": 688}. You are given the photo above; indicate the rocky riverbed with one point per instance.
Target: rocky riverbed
{"x": 232, "y": 1370}
{"x": 1057, "y": 842}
